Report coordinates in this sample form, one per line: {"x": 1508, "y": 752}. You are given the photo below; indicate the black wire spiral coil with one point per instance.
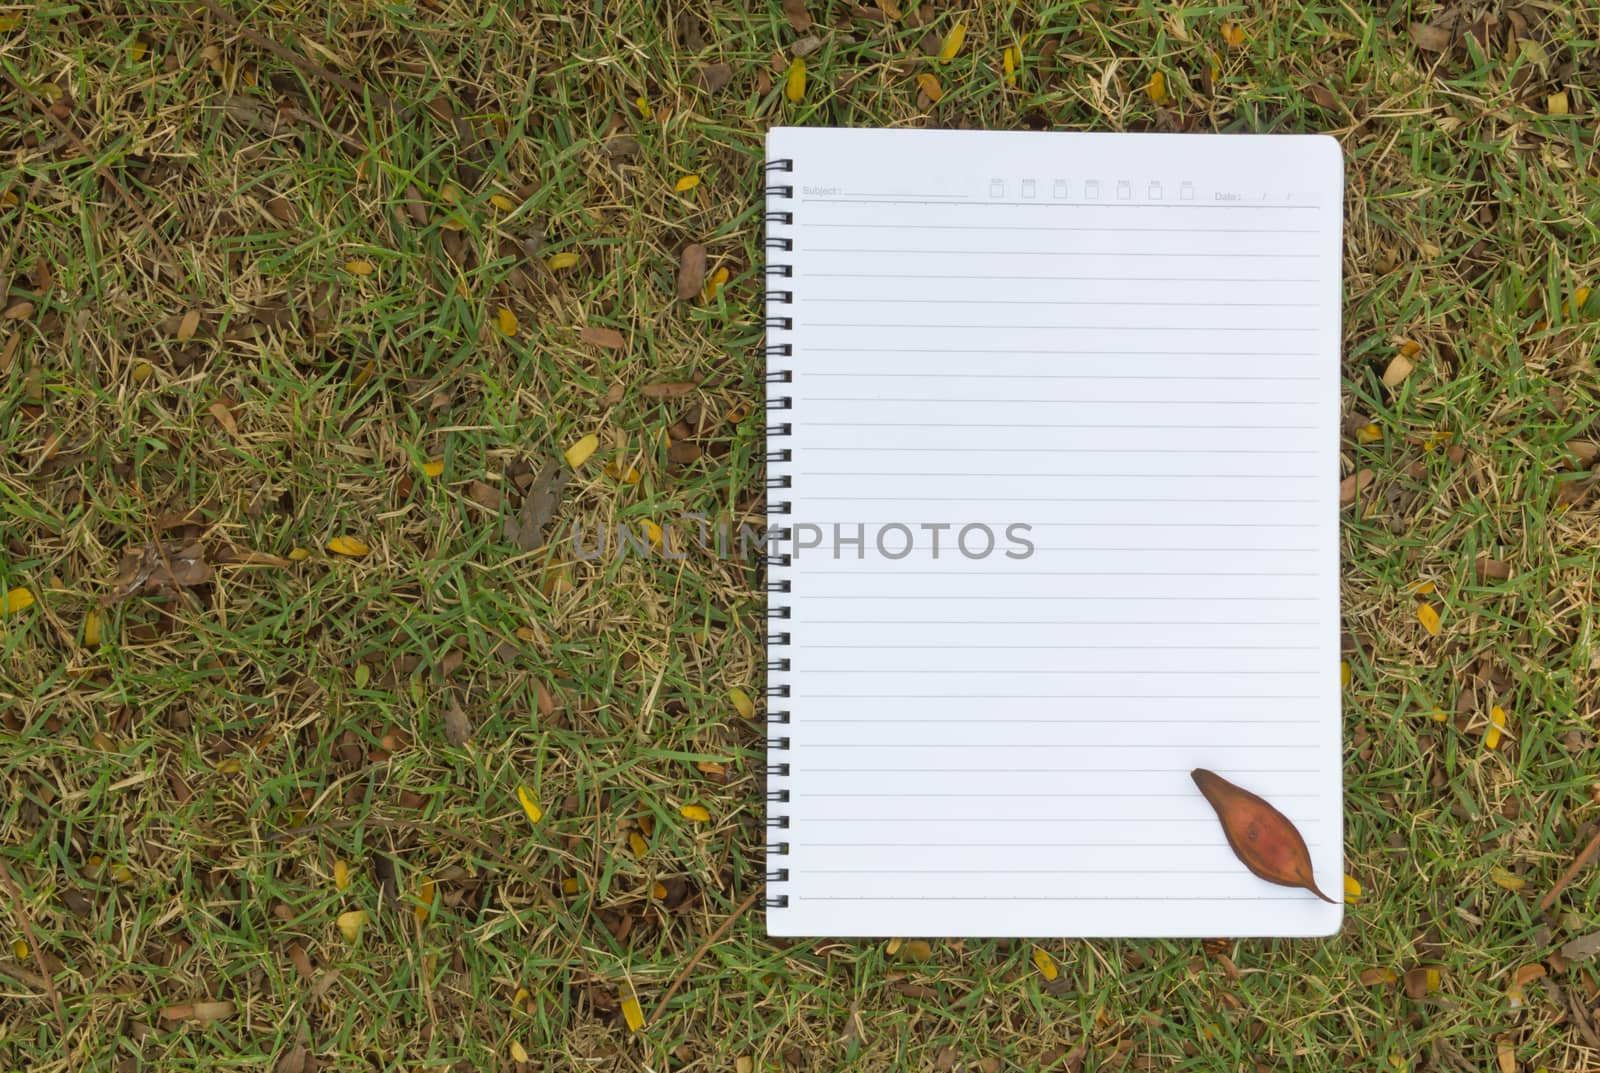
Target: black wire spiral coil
{"x": 776, "y": 324}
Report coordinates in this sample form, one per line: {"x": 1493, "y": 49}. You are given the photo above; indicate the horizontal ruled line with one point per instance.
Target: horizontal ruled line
{"x": 1076, "y": 674}
{"x": 1050, "y": 771}
{"x": 1180, "y": 451}
{"x": 1122, "y": 598}
{"x": 1022, "y": 819}
{"x": 1018, "y": 871}
{"x": 1054, "y": 204}
{"x": 1065, "y": 402}
{"x": 1094, "y": 795}
{"x": 1068, "y": 646}
{"x": 1062, "y": 278}
{"x": 1056, "y": 353}
{"x": 1164, "y": 898}
{"x": 1274, "y": 622}
{"x": 1217, "y": 256}
{"x": 1138, "y": 843}
{"x": 1023, "y": 424}
{"x": 1032, "y": 474}
{"x": 1055, "y": 327}
{"x": 1068, "y": 696}
{"x": 1143, "y": 525}
{"x": 1024, "y": 572}
{"x": 1143, "y": 377}
{"x": 1058, "y": 499}
{"x": 1071, "y": 227}
{"x": 1158, "y": 304}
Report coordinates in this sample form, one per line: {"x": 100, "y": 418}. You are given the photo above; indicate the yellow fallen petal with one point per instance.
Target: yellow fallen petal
{"x": 637, "y": 843}
{"x": 1429, "y": 618}
{"x": 1580, "y": 298}
{"x": 1557, "y": 104}
{"x": 658, "y": 891}
{"x": 569, "y": 886}
{"x": 918, "y": 950}
{"x": 1439, "y": 715}
{"x": 644, "y": 108}
{"x": 434, "y": 467}
{"x": 349, "y": 546}
{"x": 530, "y": 804}
{"x": 1423, "y": 588}
{"x": 1008, "y": 64}
{"x": 1432, "y": 978}
{"x": 631, "y": 1011}
{"x": 1157, "y": 88}
{"x": 351, "y": 924}
{"x": 1352, "y": 890}
{"x": 91, "y": 629}
{"x": 341, "y": 875}
{"x": 506, "y": 321}
{"x": 628, "y": 476}
{"x": 1045, "y": 964}
{"x": 16, "y": 600}
{"x": 503, "y": 203}
{"x": 299, "y": 555}
{"x": 358, "y": 268}
{"x": 1233, "y": 34}
{"x": 687, "y": 182}
{"x": 652, "y": 532}
{"x": 1344, "y": 673}
{"x": 892, "y": 947}
{"x": 714, "y": 284}
{"x": 518, "y": 1054}
{"x": 928, "y": 82}
{"x": 559, "y": 261}
{"x": 138, "y": 50}
{"x": 523, "y": 995}
{"x": 19, "y": 949}
{"x": 794, "y": 83}
{"x": 1507, "y": 880}
{"x": 742, "y": 703}
{"x": 952, "y": 42}
{"x": 122, "y": 874}
{"x": 425, "y": 896}
{"x": 1497, "y": 723}
{"x": 697, "y": 813}
{"x": 1369, "y": 434}
{"x": 580, "y": 451}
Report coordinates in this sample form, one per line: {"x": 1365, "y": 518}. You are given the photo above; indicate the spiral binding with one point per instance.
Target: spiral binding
{"x": 778, "y": 479}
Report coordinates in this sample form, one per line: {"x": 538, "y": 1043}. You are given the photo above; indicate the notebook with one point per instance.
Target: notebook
{"x": 1053, "y": 461}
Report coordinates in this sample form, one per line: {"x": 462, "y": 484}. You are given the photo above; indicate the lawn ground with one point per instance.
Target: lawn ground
{"x": 280, "y": 274}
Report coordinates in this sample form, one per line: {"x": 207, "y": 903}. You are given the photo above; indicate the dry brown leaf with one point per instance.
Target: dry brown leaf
{"x": 1493, "y": 569}
{"x": 1582, "y": 948}
{"x": 301, "y": 961}
{"x": 204, "y": 1012}
{"x": 292, "y": 1061}
{"x": 527, "y": 528}
{"x": 609, "y": 338}
{"x": 485, "y": 495}
{"x": 457, "y": 727}
{"x": 1261, "y": 837}
{"x": 163, "y": 569}
{"x": 223, "y": 413}
{"x": 795, "y": 11}
{"x": 1323, "y": 96}
{"x": 1378, "y": 977}
{"x": 1399, "y": 368}
{"x": 188, "y": 325}
{"x": 683, "y": 452}
{"x": 668, "y": 389}
{"x": 691, "y": 270}
{"x": 1505, "y": 1056}
{"x": 714, "y": 76}
{"x": 1353, "y": 485}
{"x": 281, "y": 209}
{"x": 1430, "y": 38}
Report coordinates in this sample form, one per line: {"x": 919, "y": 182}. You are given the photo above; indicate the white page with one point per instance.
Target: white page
{"x": 1145, "y": 372}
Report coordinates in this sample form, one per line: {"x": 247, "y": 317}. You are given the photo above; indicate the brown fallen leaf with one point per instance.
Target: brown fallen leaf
{"x": 691, "y": 270}
{"x": 1261, "y": 837}
{"x": 1353, "y": 485}
{"x": 204, "y": 1012}
{"x": 292, "y": 1061}
{"x": 795, "y": 11}
{"x": 527, "y": 528}
{"x": 1493, "y": 569}
{"x": 188, "y": 325}
{"x": 1430, "y": 38}
{"x": 457, "y": 727}
{"x": 1582, "y": 948}
{"x": 713, "y": 77}
{"x": 228, "y": 555}
{"x": 160, "y": 569}
{"x": 668, "y": 389}
{"x": 301, "y": 961}
{"x": 609, "y": 338}
{"x": 1323, "y": 96}
{"x": 22, "y": 309}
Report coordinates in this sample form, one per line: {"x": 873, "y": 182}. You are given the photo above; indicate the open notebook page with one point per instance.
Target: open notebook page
{"x": 1128, "y": 345}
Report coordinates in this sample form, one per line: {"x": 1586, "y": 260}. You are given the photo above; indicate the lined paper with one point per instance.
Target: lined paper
{"x": 1127, "y": 345}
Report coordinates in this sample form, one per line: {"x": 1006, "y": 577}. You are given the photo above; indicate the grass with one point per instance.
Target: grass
{"x": 151, "y": 777}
